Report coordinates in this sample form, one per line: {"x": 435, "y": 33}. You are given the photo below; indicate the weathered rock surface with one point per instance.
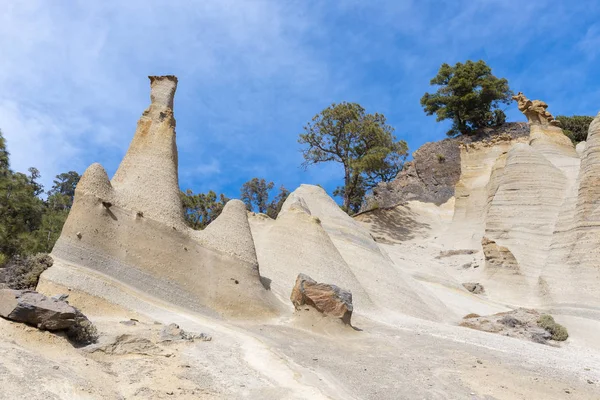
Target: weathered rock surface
{"x": 129, "y": 232}
{"x": 327, "y": 299}
{"x": 474, "y": 287}
{"x": 521, "y": 323}
{"x": 435, "y": 169}
{"x": 497, "y": 256}
{"x": 36, "y": 309}
{"x": 535, "y": 110}
{"x": 173, "y": 332}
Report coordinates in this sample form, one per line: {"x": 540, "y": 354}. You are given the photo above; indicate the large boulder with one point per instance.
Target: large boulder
{"x": 36, "y": 309}
{"x": 327, "y": 299}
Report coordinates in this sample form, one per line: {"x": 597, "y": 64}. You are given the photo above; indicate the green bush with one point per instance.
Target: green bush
{"x": 440, "y": 157}
{"x": 24, "y": 272}
{"x": 575, "y": 127}
{"x": 558, "y": 332}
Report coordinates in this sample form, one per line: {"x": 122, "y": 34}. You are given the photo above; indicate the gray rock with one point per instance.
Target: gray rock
{"x": 474, "y": 287}
{"x": 60, "y": 297}
{"x": 510, "y": 321}
{"x": 435, "y": 169}
{"x": 36, "y": 309}
{"x": 173, "y": 332}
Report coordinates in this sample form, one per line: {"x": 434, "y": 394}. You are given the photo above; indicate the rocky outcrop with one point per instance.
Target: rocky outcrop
{"x": 173, "y": 333}
{"x": 521, "y": 323}
{"x": 535, "y": 111}
{"x": 126, "y": 238}
{"x": 435, "y": 169}
{"x": 36, "y": 309}
{"x": 325, "y": 298}
{"x": 498, "y": 256}
{"x": 474, "y": 287}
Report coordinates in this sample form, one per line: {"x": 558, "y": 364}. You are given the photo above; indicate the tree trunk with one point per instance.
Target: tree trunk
{"x": 346, "y": 188}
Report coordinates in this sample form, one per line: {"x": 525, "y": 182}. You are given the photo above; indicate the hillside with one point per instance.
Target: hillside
{"x": 445, "y": 289}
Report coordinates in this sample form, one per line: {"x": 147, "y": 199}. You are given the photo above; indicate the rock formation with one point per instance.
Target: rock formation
{"x": 327, "y": 299}
{"x": 435, "y": 169}
{"x": 498, "y": 256}
{"x": 126, "y": 238}
{"x": 36, "y": 309}
{"x": 530, "y": 203}
{"x": 535, "y": 111}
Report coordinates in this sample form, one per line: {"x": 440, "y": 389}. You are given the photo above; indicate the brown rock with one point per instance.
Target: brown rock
{"x": 327, "y": 299}
{"x": 535, "y": 111}
{"x": 497, "y": 256}
{"x": 36, "y": 309}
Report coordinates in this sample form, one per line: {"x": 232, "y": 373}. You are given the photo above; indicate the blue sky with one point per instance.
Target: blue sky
{"x": 73, "y": 74}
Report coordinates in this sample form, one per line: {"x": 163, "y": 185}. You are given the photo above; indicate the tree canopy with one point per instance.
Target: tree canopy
{"x": 255, "y": 193}
{"x": 364, "y": 144}
{"x": 203, "y": 208}
{"x": 575, "y": 127}
{"x": 468, "y": 95}
{"x": 29, "y": 224}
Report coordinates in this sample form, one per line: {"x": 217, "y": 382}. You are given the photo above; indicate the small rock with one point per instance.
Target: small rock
{"x": 128, "y": 322}
{"x": 173, "y": 332}
{"x": 510, "y": 321}
{"x": 479, "y": 362}
{"x": 327, "y": 299}
{"x": 55, "y": 367}
{"x": 474, "y": 287}
{"x": 60, "y": 297}
{"x": 590, "y": 381}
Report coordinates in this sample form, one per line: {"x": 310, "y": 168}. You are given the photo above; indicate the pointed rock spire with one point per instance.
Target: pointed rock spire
{"x": 147, "y": 179}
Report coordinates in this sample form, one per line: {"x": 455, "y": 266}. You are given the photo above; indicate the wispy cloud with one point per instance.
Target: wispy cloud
{"x": 252, "y": 73}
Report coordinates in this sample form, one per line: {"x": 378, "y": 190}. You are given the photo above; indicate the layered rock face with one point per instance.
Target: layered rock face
{"x": 313, "y": 235}
{"x": 534, "y": 202}
{"x": 435, "y": 170}
{"x": 126, "y": 238}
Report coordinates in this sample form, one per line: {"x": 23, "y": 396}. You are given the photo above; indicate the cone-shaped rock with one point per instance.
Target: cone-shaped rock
{"x": 147, "y": 179}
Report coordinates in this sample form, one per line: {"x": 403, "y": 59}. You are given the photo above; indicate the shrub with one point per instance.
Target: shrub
{"x": 471, "y": 315}
{"x": 83, "y": 332}
{"x": 440, "y": 157}
{"x": 24, "y": 273}
{"x": 558, "y": 332}
{"x": 575, "y": 127}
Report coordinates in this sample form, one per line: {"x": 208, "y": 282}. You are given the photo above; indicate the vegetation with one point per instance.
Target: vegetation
{"x": 28, "y": 224}
{"x": 575, "y": 127}
{"x": 202, "y": 208}
{"x": 440, "y": 157}
{"x": 24, "y": 272}
{"x": 557, "y": 331}
{"x": 468, "y": 95}
{"x": 255, "y": 194}
{"x": 362, "y": 143}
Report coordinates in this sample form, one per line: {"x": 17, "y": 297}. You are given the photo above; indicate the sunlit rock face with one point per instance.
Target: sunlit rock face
{"x": 127, "y": 236}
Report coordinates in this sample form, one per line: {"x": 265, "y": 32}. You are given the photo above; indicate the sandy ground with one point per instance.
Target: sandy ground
{"x": 298, "y": 356}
